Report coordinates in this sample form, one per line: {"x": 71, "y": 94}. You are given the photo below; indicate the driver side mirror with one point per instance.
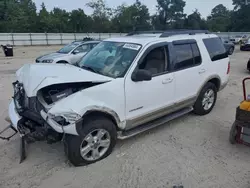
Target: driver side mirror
{"x": 141, "y": 75}
{"x": 75, "y": 52}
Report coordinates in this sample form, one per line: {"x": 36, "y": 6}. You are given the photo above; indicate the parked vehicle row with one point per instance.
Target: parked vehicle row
{"x": 70, "y": 53}
{"x": 229, "y": 46}
{"x": 120, "y": 88}
{"x": 238, "y": 39}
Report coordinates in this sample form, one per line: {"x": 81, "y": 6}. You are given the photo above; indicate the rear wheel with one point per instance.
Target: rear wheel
{"x": 231, "y": 50}
{"x": 233, "y": 134}
{"x": 206, "y": 99}
{"x": 96, "y": 141}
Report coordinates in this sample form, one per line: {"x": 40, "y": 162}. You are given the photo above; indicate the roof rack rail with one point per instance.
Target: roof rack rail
{"x": 144, "y": 32}
{"x": 182, "y": 32}
{"x": 169, "y": 33}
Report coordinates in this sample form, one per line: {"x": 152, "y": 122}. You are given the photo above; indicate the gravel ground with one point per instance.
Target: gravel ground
{"x": 192, "y": 151}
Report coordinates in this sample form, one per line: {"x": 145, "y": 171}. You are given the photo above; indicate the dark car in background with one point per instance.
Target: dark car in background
{"x": 245, "y": 45}
{"x": 228, "y": 45}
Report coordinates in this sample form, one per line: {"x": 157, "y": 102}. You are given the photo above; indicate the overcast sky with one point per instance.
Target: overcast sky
{"x": 204, "y": 6}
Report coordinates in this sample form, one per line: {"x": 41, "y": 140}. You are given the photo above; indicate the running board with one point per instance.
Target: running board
{"x": 155, "y": 123}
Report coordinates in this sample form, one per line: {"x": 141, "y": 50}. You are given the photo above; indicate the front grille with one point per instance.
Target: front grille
{"x": 23, "y": 102}
{"x": 19, "y": 95}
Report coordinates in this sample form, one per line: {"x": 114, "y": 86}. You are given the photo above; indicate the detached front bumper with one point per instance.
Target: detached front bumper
{"x": 13, "y": 115}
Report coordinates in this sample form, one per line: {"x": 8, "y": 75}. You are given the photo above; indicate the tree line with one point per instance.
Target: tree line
{"x": 22, "y": 16}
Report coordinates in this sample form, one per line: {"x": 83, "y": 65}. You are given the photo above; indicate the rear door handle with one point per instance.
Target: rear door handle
{"x": 202, "y": 71}
{"x": 167, "y": 80}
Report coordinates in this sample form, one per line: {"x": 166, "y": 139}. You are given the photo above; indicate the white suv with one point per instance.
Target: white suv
{"x": 122, "y": 87}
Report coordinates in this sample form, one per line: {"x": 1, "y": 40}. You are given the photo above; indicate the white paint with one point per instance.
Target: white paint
{"x": 37, "y": 76}
{"x": 123, "y": 98}
{"x": 13, "y": 115}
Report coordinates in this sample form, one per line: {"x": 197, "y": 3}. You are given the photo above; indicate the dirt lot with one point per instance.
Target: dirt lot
{"x": 192, "y": 150}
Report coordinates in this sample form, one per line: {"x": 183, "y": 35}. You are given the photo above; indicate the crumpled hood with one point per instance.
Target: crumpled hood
{"x": 37, "y": 76}
{"x": 50, "y": 56}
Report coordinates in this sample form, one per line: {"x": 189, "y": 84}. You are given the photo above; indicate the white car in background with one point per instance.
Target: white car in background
{"x": 69, "y": 54}
{"x": 238, "y": 38}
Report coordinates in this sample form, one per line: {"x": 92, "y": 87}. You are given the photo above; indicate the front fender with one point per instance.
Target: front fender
{"x": 75, "y": 103}
{"x": 61, "y": 59}
{"x": 103, "y": 109}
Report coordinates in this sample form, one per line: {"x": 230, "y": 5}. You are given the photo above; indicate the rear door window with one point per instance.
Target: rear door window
{"x": 215, "y": 48}
{"x": 184, "y": 56}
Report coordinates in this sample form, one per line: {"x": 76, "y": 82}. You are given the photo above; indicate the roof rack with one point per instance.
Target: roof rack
{"x": 182, "y": 32}
{"x": 169, "y": 33}
{"x": 144, "y": 32}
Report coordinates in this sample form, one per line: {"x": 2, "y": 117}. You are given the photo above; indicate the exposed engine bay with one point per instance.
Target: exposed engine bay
{"x": 54, "y": 93}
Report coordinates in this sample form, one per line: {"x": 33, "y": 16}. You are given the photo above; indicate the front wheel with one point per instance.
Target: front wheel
{"x": 206, "y": 99}
{"x": 62, "y": 62}
{"x": 96, "y": 141}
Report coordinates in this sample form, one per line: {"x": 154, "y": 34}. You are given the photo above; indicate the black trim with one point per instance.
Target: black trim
{"x": 79, "y": 126}
{"x": 187, "y": 41}
{"x": 33, "y": 116}
{"x": 144, "y": 32}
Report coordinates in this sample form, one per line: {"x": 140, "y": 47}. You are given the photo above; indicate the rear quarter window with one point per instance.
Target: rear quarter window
{"x": 215, "y": 48}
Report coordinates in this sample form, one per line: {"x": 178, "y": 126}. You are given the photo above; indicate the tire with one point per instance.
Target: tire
{"x": 231, "y": 50}
{"x": 73, "y": 144}
{"x": 242, "y": 49}
{"x": 199, "y": 108}
{"x": 233, "y": 133}
{"x": 62, "y": 62}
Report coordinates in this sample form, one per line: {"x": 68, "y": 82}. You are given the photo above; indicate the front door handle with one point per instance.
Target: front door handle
{"x": 202, "y": 71}
{"x": 167, "y": 80}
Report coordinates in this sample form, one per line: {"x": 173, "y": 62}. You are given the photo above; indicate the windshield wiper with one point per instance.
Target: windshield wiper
{"x": 89, "y": 68}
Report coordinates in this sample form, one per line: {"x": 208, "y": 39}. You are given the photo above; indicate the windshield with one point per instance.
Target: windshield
{"x": 111, "y": 59}
{"x": 66, "y": 49}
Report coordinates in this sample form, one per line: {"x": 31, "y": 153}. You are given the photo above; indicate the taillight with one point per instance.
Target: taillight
{"x": 228, "y": 68}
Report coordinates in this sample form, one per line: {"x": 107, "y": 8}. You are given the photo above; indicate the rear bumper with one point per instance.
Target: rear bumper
{"x": 248, "y": 65}
{"x": 224, "y": 85}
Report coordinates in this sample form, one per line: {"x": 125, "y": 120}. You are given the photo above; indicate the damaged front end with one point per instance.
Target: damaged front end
{"x": 24, "y": 119}
{"x": 30, "y": 117}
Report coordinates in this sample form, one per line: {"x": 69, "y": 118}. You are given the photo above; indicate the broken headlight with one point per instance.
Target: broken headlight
{"x": 65, "y": 118}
